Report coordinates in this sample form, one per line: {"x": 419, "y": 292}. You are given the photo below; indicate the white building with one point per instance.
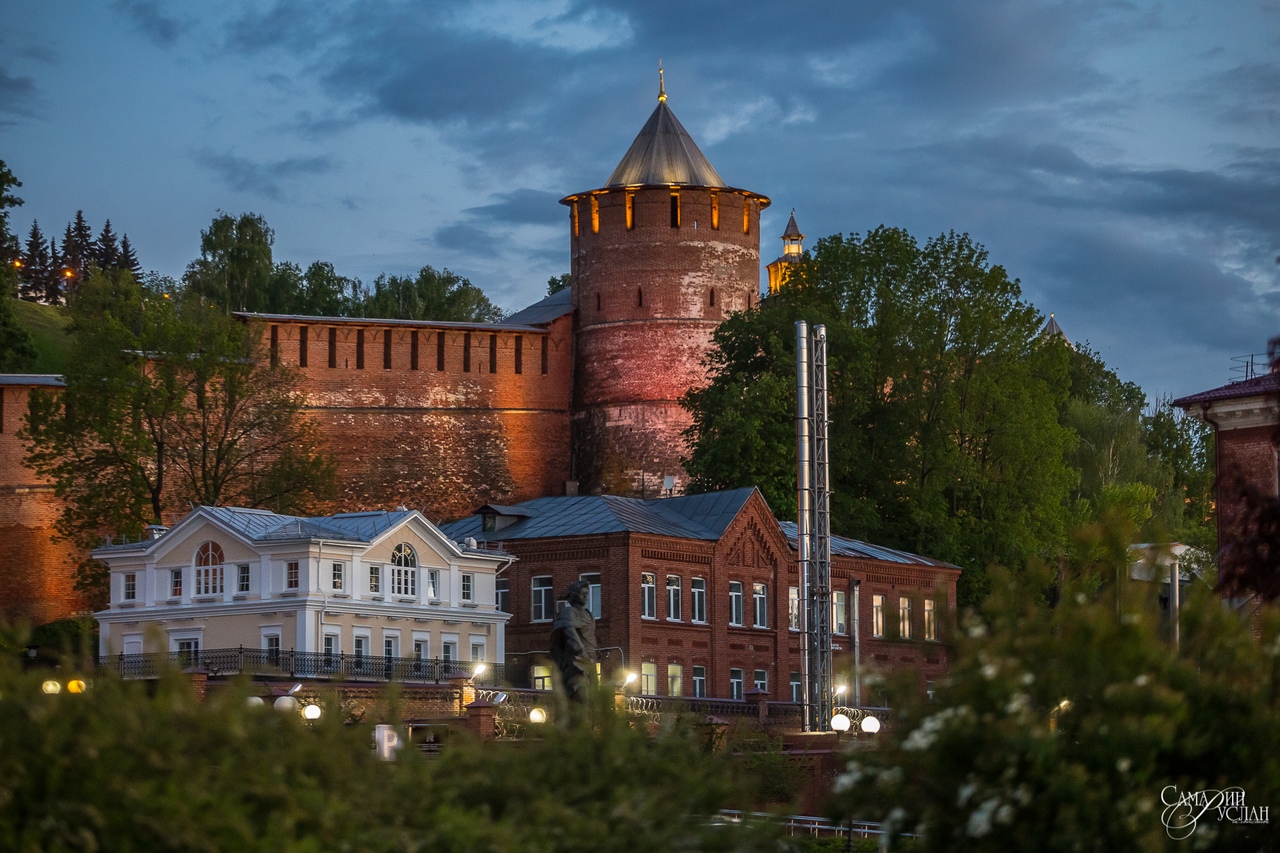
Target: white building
{"x": 335, "y": 594}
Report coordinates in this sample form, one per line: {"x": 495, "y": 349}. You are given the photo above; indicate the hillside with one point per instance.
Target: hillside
{"x": 47, "y": 326}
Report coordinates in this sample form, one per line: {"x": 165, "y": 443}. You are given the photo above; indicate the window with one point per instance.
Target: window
{"x": 359, "y": 349}
{"x": 593, "y": 592}
{"x": 541, "y": 677}
{"x": 333, "y": 346}
{"x": 877, "y": 615}
{"x": 595, "y": 215}
{"x": 330, "y": 649}
{"x": 648, "y": 596}
{"x": 188, "y": 652}
{"x": 540, "y": 590}
{"x": 404, "y": 571}
{"x": 360, "y": 649}
{"x": 904, "y": 617}
{"x": 673, "y": 597}
{"x": 271, "y": 642}
{"x": 466, "y": 353}
{"x": 760, "y": 604}
{"x": 502, "y": 594}
{"x": 375, "y": 578}
{"x": 477, "y": 650}
{"x": 130, "y": 586}
{"x": 648, "y": 678}
{"x": 839, "y": 623}
{"x": 493, "y": 353}
{"x": 433, "y": 584}
{"x": 275, "y": 345}
{"x": 793, "y": 608}
{"x": 675, "y": 210}
{"x": 796, "y": 688}
{"x": 242, "y": 579}
{"x": 439, "y": 351}
{"x": 544, "y": 355}
{"x": 639, "y": 297}
{"x": 390, "y": 646}
{"x": 175, "y": 583}
{"x": 715, "y": 211}
{"x": 291, "y": 575}
{"x": 449, "y": 650}
{"x": 573, "y": 212}
{"x": 700, "y": 682}
{"x": 699, "y": 603}
{"x": 735, "y": 684}
{"x": 386, "y": 349}
{"x": 339, "y": 577}
{"x": 631, "y": 211}
{"x": 302, "y": 346}
{"x": 209, "y": 554}
{"x": 930, "y": 621}
{"x": 746, "y": 216}
{"x": 413, "y": 350}
{"x": 675, "y": 679}
{"x": 209, "y": 577}
{"x": 468, "y": 592}
{"x": 760, "y": 678}
{"x": 519, "y": 354}
{"x": 735, "y": 602}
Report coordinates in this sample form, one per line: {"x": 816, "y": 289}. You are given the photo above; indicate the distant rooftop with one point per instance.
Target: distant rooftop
{"x": 51, "y": 380}
{"x": 664, "y": 154}
{"x": 545, "y": 310}
{"x": 378, "y": 321}
{"x": 1268, "y": 384}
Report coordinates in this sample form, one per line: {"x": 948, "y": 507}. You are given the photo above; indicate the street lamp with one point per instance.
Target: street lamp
{"x": 840, "y": 723}
{"x": 538, "y": 716}
{"x": 870, "y": 725}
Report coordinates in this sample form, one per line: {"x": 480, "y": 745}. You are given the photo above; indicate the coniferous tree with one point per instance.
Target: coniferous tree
{"x": 16, "y": 352}
{"x": 106, "y": 250}
{"x": 58, "y": 274}
{"x": 129, "y": 258}
{"x": 77, "y": 247}
{"x": 37, "y": 266}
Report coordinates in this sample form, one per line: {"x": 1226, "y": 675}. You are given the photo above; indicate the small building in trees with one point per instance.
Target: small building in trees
{"x": 698, "y": 595}
{"x": 362, "y": 594}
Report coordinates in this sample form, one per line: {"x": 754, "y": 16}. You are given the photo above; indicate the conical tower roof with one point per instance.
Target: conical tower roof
{"x": 664, "y": 154}
{"x": 793, "y": 230}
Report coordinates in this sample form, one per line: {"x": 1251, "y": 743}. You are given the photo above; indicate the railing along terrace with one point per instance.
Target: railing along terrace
{"x": 295, "y": 664}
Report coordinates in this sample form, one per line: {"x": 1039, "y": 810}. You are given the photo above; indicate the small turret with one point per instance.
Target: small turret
{"x": 792, "y": 252}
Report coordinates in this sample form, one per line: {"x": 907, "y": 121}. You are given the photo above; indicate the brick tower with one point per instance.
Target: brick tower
{"x": 660, "y": 256}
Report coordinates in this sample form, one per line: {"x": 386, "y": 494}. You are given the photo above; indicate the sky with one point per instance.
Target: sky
{"x": 1121, "y": 159}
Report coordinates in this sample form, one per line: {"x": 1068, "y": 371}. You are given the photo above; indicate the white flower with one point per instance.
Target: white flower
{"x": 848, "y": 779}
{"x": 1142, "y": 680}
{"x": 1124, "y": 764}
{"x": 977, "y": 629}
{"x": 967, "y": 790}
{"x": 1028, "y": 678}
{"x": 980, "y": 821}
{"x": 989, "y": 671}
{"x": 1020, "y": 702}
{"x": 1004, "y": 814}
{"x": 1080, "y": 598}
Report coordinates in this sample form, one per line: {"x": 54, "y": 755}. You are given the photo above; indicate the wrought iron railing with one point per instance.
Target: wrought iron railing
{"x": 294, "y": 664}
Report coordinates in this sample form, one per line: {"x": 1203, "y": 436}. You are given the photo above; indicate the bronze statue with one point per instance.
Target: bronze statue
{"x": 573, "y": 643}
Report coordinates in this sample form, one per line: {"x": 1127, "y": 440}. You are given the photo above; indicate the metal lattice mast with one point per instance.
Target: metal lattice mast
{"x": 820, "y": 562}
{"x": 803, "y": 513}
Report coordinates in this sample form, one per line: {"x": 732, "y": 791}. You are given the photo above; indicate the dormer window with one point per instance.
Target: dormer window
{"x": 489, "y": 522}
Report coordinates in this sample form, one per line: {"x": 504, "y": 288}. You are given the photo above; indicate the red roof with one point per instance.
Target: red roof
{"x": 1258, "y": 386}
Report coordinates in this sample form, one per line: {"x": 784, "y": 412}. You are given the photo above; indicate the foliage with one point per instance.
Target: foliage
{"x": 1061, "y": 728}
{"x": 114, "y": 769}
{"x": 945, "y": 436}
{"x": 16, "y": 351}
{"x": 431, "y": 295}
{"x": 557, "y": 283}
{"x": 47, "y": 327}
{"x": 234, "y": 270}
{"x": 167, "y": 402}
{"x": 76, "y": 636}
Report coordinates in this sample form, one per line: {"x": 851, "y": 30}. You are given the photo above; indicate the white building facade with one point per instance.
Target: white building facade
{"x": 330, "y": 591}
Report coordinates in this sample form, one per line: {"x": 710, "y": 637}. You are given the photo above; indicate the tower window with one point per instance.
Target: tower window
{"x": 413, "y": 350}
{"x": 519, "y": 354}
{"x": 595, "y": 215}
{"x": 713, "y": 297}
{"x": 493, "y": 353}
{"x": 466, "y": 353}
{"x": 715, "y": 211}
{"x": 639, "y": 297}
{"x": 573, "y": 212}
{"x": 597, "y": 302}
{"x": 359, "y": 349}
{"x": 386, "y": 350}
{"x": 544, "y": 356}
{"x": 275, "y": 345}
{"x": 631, "y": 211}
{"x": 439, "y": 350}
{"x": 746, "y": 216}
{"x": 302, "y": 346}
{"x": 333, "y": 346}
{"x": 675, "y": 210}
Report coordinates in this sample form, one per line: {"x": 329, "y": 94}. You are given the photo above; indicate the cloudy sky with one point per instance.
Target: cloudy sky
{"x": 1121, "y": 158}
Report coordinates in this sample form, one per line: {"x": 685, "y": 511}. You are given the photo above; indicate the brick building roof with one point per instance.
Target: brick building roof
{"x": 544, "y": 311}
{"x": 1268, "y": 383}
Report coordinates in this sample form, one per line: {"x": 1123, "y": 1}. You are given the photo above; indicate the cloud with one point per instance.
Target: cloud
{"x": 1246, "y": 94}
{"x": 17, "y": 96}
{"x": 465, "y": 238}
{"x": 150, "y": 19}
{"x": 521, "y": 207}
{"x": 265, "y": 179}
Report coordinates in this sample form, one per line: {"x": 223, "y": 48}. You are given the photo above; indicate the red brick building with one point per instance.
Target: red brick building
{"x": 696, "y": 594}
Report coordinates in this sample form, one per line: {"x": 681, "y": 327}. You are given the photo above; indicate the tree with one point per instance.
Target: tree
{"x": 77, "y": 250}
{"x": 1074, "y": 727}
{"x": 37, "y": 272}
{"x": 234, "y": 269}
{"x": 128, "y": 260}
{"x": 431, "y": 295}
{"x": 944, "y": 436}
{"x": 557, "y": 283}
{"x": 167, "y": 401}
{"x": 106, "y": 249}
{"x": 324, "y": 293}
{"x": 16, "y": 351}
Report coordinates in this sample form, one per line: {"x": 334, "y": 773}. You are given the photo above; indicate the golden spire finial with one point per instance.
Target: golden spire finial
{"x": 662, "y": 85}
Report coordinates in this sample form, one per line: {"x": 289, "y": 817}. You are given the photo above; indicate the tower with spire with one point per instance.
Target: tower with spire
{"x": 660, "y": 255}
{"x": 792, "y": 253}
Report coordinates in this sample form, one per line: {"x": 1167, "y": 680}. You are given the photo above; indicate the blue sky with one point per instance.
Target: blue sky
{"x": 1121, "y": 158}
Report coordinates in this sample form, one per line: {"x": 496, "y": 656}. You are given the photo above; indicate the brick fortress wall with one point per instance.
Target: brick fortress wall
{"x": 37, "y": 574}
{"x": 654, "y": 271}
{"x": 442, "y": 417}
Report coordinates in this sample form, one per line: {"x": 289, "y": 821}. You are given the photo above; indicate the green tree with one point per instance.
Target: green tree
{"x": 16, "y": 351}
{"x": 77, "y": 249}
{"x": 945, "y": 437}
{"x": 106, "y": 249}
{"x": 234, "y": 269}
{"x": 557, "y": 283}
{"x": 167, "y": 401}
{"x": 1072, "y": 727}
{"x": 431, "y": 295}
{"x": 129, "y": 258}
{"x": 38, "y": 275}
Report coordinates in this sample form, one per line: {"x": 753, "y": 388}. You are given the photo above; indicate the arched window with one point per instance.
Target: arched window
{"x": 403, "y": 556}
{"x": 209, "y": 573}
{"x": 404, "y": 571}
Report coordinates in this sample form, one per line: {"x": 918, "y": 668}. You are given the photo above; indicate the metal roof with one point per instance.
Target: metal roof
{"x": 792, "y": 230}
{"x": 855, "y": 548}
{"x": 546, "y": 310}
{"x": 1052, "y": 329}
{"x": 1258, "y": 386}
{"x": 664, "y": 154}
{"x": 378, "y": 321}
{"x": 690, "y": 517}
{"x": 52, "y": 380}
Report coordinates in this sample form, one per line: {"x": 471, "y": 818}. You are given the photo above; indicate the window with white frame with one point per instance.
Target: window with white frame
{"x": 675, "y": 679}
{"x": 592, "y": 579}
{"x": 332, "y": 648}
{"x": 360, "y": 648}
{"x": 243, "y": 577}
{"x": 209, "y": 570}
{"x": 541, "y": 677}
{"x": 449, "y": 650}
{"x": 760, "y": 678}
{"x": 271, "y": 644}
{"x": 839, "y": 600}
{"x": 700, "y": 682}
{"x": 433, "y": 584}
{"x": 930, "y": 621}
{"x": 793, "y": 608}
{"x": 877, "y": 615}
{"x": 502, "y": 594}
{"x": 673, "y": 598}
{"x": 648, "y": 678}
{"x": 188, "y": 649}
{"x": 735, "y": 602}
{"x": 291, "y": 575}
{"x": 404, "y": 571}
{"x": 130, "y": 592}
{"x": 760, "y": 605}
{"x": 477, "y": 649}
{"x": 468, "y": 591}
{"x": 904, "y": 617}
{"x": 648, "y": 595}
{"x": 796, "y": 688}
{"x": 391, "y": 645}
{"x": 339, "y": 577}
{"x": 735, "y": 684}
{"x": 698, "y": 599}
{"x": 542, "y": 608}
{"x": 175, "y": 583}
{"x": 421, "y": 648}
{"x": 375, "y": 578}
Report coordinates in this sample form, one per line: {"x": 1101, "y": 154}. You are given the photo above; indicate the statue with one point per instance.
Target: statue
{"x": 573, "y": 643}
